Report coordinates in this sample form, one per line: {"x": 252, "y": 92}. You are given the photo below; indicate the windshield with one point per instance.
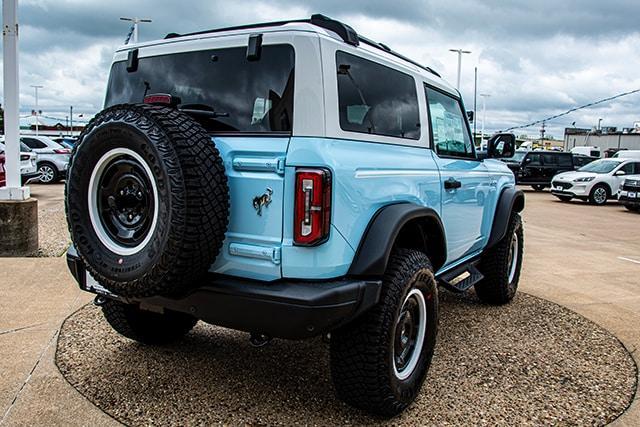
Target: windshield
{"x": 600, "y": 166}
{"x": 248, "y": 96}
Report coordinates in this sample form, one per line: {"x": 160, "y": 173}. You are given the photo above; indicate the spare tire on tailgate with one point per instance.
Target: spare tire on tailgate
{"x": 147, "y": 200}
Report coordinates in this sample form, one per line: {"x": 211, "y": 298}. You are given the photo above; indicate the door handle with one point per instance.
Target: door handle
{"x": 452, "y": 184}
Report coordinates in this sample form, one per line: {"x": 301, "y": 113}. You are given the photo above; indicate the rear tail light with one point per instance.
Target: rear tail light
{"x": 312, "y": 217}
{"x": 62, "y": 151}
{"x": 24, "y": 157}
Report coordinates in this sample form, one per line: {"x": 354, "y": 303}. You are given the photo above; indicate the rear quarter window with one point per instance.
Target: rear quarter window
{"x": 376, "y": 99}
{"x": 252, "y": 96}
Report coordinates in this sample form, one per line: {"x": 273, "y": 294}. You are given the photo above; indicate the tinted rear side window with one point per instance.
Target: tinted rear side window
{"x": 376, "y": 99}
{"x": 252, "y": 96}
{"x": 565, "y": 160}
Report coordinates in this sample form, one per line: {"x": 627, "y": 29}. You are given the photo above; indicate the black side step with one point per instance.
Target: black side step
{"x": 462, "y": 278}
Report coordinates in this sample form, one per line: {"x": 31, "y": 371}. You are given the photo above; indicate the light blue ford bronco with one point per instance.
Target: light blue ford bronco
{"x": 291, "y": 179}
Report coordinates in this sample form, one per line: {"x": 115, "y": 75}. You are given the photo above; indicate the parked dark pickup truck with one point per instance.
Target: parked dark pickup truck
{"x": 536, "y": 168}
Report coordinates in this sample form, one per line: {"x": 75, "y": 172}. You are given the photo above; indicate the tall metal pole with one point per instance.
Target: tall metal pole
{"x": 459, "y": 52}
{"x": 484, "y": 96}
{"x": 13, "y": 190}
{"x": 36, "y": 87}
{"x": 71, "y": 118}
{"x": 475, "y": 102}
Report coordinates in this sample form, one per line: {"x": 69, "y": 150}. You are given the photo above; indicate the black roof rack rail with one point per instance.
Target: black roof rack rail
{"x": 387, "y": 49}
{"x": 345, "y": 32}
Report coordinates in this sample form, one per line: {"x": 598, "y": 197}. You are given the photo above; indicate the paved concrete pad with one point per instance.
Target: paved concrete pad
{"x": 573, "y": 257}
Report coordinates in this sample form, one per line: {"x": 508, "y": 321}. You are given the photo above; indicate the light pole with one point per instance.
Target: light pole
{"x": 135, "y": 21}
{"x": 459, "y": 52}
{"x": 599, "y": 122}
{"x": 484, "y": 97}
{"x": 36, "y": 87}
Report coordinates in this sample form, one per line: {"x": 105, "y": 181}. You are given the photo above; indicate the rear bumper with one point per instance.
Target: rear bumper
{"x": 284, "y": 309}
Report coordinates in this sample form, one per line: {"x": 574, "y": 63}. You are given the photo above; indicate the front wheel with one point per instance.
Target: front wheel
{"x": 379, "y": 361}
{"x": 599, "y": 195}
{"x": 501, "y": 266}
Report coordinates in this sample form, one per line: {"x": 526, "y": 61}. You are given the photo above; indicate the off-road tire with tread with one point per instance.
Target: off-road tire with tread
{"x": 146, "y": 326}
{"x": 362, "y": 351}
{"x": 193, "y": 200}
{"x": 496, "y": 288}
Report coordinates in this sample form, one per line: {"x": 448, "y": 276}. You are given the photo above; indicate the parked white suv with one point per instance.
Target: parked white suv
{"x": 53, "y": 158}
{"x": 596, "y": 182}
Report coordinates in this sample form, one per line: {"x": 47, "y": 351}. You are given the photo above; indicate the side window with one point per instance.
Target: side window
{"x": 628, "y": 168}
{"x": 33, "y": 143}
{"x": 564, "y": 160}
{"x": 376, "y": 99}
{"x": 448, "y": 127}
{"x": 550, "y": 159}
{"x": 534, "y": 159}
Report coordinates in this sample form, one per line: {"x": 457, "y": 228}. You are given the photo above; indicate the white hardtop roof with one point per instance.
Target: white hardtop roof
{"x": 300, "y": 27}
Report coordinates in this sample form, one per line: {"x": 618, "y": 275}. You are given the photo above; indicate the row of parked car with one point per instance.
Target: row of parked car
{"x": 577, "y": 176}
{"x": 41, "y": 158}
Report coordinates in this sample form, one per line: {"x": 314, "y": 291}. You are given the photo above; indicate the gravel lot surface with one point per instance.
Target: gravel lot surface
{"x": 532, "y": 362}
{"x": 53, "y": 235}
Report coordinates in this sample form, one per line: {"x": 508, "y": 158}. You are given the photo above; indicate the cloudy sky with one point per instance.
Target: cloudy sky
{"x": 534, "y": 59}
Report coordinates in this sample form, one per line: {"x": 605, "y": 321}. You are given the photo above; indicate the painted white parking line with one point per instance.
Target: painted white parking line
{"x": 629, "y": 259}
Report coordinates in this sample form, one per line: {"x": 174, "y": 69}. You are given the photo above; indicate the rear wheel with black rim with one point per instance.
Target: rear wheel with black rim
{"x": 48, "y": 173}
{"x": 379, "y": 361}
{"x": 599, "y": 195}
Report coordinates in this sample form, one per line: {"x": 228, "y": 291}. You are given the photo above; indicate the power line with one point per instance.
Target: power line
{"x": 591, "y": 104}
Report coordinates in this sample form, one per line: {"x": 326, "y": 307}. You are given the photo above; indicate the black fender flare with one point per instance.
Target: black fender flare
{"x": 380, "y": 236}
{"x": 511, "y": 199}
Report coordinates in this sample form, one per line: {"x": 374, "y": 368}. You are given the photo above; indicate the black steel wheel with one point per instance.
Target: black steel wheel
{"x": 147, "y": 200}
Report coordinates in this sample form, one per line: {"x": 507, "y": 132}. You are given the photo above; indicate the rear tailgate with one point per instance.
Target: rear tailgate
{"x": 255, "y": 169}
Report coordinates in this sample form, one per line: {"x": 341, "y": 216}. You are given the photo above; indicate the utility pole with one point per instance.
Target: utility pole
{"x": 136, "y": 21}
{"x": 484, "y": 97}
{"x": 36, "y": 87}
{"x": 459, "y": 52}
{"x": 542, "y": 132}
{"x": 71, "y": 118}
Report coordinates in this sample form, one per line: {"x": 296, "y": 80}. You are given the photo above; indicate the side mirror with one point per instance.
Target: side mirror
{"x": 501, "y": 145}
{"x": 620, "y": 173}
{"x": 470, "y": 116}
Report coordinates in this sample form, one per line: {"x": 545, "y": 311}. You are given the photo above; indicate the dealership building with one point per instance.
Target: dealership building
{"x": 605, "y": 138}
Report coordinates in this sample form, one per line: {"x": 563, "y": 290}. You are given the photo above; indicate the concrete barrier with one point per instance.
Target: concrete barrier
{"x": 18, "y": 228}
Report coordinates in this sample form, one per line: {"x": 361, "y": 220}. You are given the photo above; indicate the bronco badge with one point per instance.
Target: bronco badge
{"x": 264, "y": 200}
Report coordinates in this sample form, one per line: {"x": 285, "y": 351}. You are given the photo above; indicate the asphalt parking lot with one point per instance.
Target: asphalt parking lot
{"x": 582, "y": 257}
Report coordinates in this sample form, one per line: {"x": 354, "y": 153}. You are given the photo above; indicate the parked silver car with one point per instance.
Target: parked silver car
{"x": 28, "y": 161}
{"x": 53, "y": 158}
